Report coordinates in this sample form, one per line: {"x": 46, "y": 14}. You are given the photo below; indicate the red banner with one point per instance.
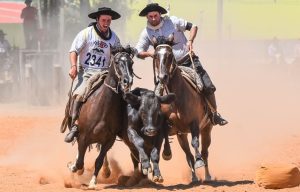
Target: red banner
{"x": 10, "y": 12}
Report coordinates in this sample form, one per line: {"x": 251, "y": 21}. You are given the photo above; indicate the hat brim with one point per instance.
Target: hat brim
{"x": 147, "y": 9}
{"x": 114, "y": 15}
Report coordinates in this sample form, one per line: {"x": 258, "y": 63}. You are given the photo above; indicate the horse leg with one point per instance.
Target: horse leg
{"x": 105, "y": 168}
{"x": 205, "y": 142}
{"x": 138, "y": 142}
{"x": 99, "y": 162}
{"x": 167, "y": 153}
{"x": 135, "y": 160}
{"x": 195, "y": 143}
{"x": 79, "y": 163}
{"x": 184, "y": 144}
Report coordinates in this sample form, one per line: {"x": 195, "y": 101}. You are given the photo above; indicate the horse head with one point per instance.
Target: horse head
{"x": 122, "y": 63}
{"x": 149, "y": 108}
{"x": 163, "y": 59}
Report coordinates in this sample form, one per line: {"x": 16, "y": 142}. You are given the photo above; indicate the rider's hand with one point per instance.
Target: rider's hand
{"x": 73, "y": 71}
{"x": 190, "y": 45}
{"x": 150, "y": 54}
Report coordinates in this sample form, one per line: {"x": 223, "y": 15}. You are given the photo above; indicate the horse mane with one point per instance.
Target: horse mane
{"x": 161, "y": 40}
{"x": 127, "y": 49}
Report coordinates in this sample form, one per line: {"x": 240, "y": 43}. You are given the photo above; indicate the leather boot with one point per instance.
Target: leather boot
{"x": 215, "y": 117}
{"x": 74, "y": 114}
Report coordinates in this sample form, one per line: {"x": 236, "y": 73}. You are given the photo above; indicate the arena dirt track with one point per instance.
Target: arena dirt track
{"x": 263, "y": 129}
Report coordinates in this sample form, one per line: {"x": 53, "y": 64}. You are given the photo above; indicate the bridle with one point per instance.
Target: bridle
{"x": 173, "y": 63}
{"x": 116, "y": 57}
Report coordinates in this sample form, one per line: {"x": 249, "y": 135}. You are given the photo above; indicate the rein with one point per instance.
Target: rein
{"x": 115, "y": 89}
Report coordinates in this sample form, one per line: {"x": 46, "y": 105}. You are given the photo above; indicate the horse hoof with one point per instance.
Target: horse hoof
{"x": 72, "y": 167}
{"x": 207, "y": 178}
{"x": 199, "y": 163}
{"x": 195, "y": 179}
{"x": 92, "y": 187}
{"x": 93, "y": 183}
{"x": 145, "y": 171}
{"x": 158, "y": 179}
{"x": 167, "y": 157}
{"x": 80, "y": 171}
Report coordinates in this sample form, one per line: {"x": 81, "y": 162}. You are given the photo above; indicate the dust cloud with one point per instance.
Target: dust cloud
{"x": 260, "y": 100}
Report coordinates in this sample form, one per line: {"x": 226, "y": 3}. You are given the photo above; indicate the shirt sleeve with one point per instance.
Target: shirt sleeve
{"x": 180, "y": 24}
{"x": 79, "y": 41}
{"x": 143, "y": 43}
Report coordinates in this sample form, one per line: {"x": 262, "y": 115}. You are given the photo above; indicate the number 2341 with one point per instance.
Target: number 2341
{"x": 92, "y": 60}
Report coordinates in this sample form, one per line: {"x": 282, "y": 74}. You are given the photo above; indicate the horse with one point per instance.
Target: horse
{"x": 189, "y": 112}
{"x": 103, "y": 115}
{"x": 145, "y": 132}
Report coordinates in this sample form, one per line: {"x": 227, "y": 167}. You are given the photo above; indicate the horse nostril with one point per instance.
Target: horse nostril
{"x": 150, "y": 131}
{"x": 125, "y": 81}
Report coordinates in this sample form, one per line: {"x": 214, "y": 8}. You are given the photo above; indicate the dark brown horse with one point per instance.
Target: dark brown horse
{"x": 103, "y": 116}
{"x": 188, "y": 115}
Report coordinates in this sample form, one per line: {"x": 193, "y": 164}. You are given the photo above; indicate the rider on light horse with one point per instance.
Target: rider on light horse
{"x": 164, "y": 26}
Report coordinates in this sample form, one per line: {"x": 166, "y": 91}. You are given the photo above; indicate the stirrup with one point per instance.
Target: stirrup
{"x": 72, "y": 134}
{"x": 218, "y": 120}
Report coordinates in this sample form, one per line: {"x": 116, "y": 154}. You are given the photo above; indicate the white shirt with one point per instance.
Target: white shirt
{"x": 4, "y": 46}
{"x": 93, "y": 51}
{"x": 170, "y": 25}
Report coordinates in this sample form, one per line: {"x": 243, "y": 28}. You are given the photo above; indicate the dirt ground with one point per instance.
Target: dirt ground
{"x": 262, "y": 106}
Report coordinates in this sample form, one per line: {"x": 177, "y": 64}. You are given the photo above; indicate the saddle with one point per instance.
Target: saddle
{"x": 93, "y": 84}
{"x": 192, "y": 78}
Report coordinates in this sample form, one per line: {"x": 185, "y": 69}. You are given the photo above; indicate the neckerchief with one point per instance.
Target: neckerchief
{"x": 101, "y": 34}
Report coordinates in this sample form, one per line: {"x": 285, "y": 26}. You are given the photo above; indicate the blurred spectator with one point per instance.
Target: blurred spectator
{"x": 275, "y": 52}
{"x": 30, "y": 25}
{"x": 5, "y": 64}
{"x": 4, "y": 46}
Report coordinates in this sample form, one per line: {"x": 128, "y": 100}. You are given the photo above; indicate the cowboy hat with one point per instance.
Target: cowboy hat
{"x": 28, "y": 1}
{"x": 152, "y": 7}
{"x": 104, "y": 11}
{"x": 2, "y": 33}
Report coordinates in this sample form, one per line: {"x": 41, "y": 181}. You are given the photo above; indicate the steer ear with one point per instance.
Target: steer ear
{"x": 167, "y": 99}
{"x": 132, "y": 99}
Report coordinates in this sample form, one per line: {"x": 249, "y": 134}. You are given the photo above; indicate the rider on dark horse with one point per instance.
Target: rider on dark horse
{"x": 164, "y": 26}
{"x": 92, "y": 46}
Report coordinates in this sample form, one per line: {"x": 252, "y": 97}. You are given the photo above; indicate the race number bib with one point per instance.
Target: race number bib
{"x": 95, "y": 58}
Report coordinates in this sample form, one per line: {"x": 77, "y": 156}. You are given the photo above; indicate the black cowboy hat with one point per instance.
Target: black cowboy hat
{"x": 152, "y": 7}
{"x": 2, "y": 33}
{"x": 28, "y": 1}
{"x": 104, "y": 11}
